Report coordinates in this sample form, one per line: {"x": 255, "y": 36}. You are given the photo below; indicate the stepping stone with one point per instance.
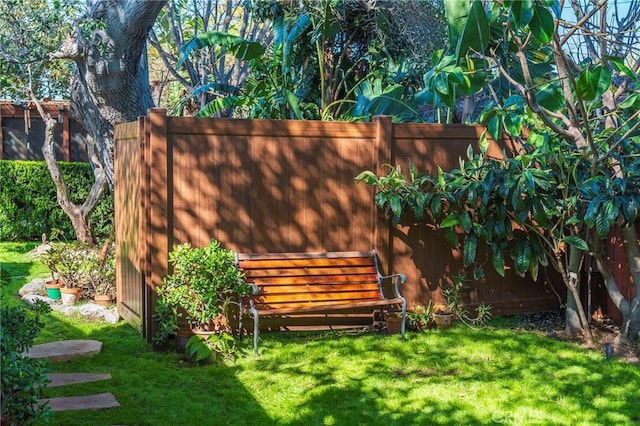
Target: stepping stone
{"x": 62, "y": 379}
{"x": 65, "y": 349}
{"x": 89, "y": 402}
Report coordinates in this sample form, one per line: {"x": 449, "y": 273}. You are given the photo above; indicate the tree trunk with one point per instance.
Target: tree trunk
{"x": 576, "y": 319}
{"x": 573, "y": 323}
{"x": 112, "y": 83}
{"x": 78, "y": 214}
{"x": 630, "y": 308}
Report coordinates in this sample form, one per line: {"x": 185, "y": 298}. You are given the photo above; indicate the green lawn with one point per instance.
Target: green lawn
{"x": 455, "y": 376}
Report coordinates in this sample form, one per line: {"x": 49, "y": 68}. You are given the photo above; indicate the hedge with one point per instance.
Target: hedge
{"x": 28, "y": 206}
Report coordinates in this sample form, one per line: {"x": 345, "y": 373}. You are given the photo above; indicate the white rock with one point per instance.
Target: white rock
{"x": 111, "y": 316}
{"x": 34, "y": 287}
{"x": 31, "y": 299}
{"x": 68, "y": 310}
{"x": 91, "y": 310}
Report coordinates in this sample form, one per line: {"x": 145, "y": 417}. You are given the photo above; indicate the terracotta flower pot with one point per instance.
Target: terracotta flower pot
{"x": 69, "y": 295}
{"x": 53, "y": 288}
{"x": 103, "y": 299}
{"x": 184, "y": 333}
{"x": 444, "y": 320}
{"x": 394, "y": 325}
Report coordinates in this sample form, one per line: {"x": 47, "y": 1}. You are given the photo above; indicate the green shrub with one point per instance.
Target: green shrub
{"x": 23, "y": 379}
{"x": 28, "y": 206}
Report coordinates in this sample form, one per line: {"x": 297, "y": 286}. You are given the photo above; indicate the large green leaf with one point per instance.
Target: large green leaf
{"x": 549, "y": 95}
{"x": 475, "y": 34}
{"x": 468, "y": 26}
{"x": 449, "y": 221}
{"x": 593, "y": 82}
{"x": 522, "y": 257}
{"x": 521, "y": 12}
{"x": 241, "y": 48}
{"x": 542, "y": 25}
{"x": 218, "y": 104}
{"x": 300, "y": 26}
{"x": 469, "y": 249}
{"x": 576, "y": 241}
{"x": 619, "y": 64}
{"x": 498, "y": 261}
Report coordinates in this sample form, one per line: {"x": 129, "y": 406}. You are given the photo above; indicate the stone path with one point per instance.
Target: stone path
{"x": 65, "y": 350}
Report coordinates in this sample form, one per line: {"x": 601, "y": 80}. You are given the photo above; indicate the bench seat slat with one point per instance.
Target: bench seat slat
{"x": 266, "y": 299}
{"x": 319, "y": 279}
{"x": 328, "y": 288}
{"x": 292, "y": 309}
{"x": 310, "y": 272}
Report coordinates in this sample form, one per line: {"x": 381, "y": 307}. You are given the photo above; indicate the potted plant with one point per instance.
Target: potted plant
{"x": 393, "y": 322}
{"x": 68, "y": 264}
{"x": 102, "y": 274}
{"x": 197, "y": 295}
{"x": 456, "y": 309}
{"x": 53, "y": 285}
{"x": 421, "y": 317}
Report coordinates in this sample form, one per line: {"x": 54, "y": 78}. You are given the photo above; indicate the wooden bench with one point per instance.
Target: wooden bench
{"x": 300, "y": 283}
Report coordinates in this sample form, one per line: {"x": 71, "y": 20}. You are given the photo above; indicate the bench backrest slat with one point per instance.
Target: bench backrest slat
{"x": 288, "y": 280}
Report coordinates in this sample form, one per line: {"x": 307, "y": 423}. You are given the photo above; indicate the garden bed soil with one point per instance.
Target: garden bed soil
{"x": 551, "y": 324}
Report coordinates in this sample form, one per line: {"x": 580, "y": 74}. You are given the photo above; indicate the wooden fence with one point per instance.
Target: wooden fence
{"x": 273, "y": 186}
{"x": 22, "y": 133}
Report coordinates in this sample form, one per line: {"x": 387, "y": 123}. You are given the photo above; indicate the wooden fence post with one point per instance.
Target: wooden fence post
{"x": 385, "y": 154}
{"x": 159, "y": 193}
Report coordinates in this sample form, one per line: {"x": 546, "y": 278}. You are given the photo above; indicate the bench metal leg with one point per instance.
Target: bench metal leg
{"x": 256, "y": 321}
{"x": 403, "y": 324}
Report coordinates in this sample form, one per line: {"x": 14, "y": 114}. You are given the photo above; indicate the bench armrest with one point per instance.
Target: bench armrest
{"x": 397, "y": 280}
{"x": 254, "y": 289}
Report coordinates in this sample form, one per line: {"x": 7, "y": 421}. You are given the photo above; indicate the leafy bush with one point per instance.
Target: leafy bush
{"x": 23, "y": 379}
{"x": 28, "y": 206}
{"x": 205, "y": 282}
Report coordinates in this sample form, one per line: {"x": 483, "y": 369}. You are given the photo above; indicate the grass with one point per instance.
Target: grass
{"x": 440, "y": 377}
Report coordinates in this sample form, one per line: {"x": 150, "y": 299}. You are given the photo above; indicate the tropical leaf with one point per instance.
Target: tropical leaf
{"x": 521, "y": 12}
{"x": 619, "y": 64}
{"x": 474, "y": 35}
{"x": 522, "y": 257}
{"x": 241, "y": 48}
{"x": 469, "y": 249}
{"x": 576, "y": 242}
{"x": 498, "y": 261}
{"x": 542, "y": 25}
{"x": 449, "y": 221}
{"x": 301, "y": 25}
{"x": 217, "y": 105}
{"x": 593, "y": 82}
{"x": 294, "y": 103}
